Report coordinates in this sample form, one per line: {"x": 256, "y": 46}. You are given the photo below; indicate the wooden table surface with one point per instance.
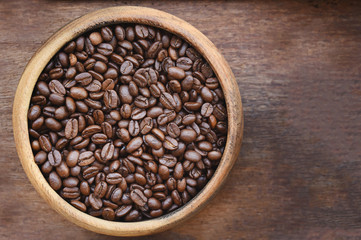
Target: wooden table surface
{"x": 298, "y": 67}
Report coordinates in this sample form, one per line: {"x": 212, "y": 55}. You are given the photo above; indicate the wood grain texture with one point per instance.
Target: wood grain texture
{"x": 297, "y": 64}
{"x": 104, "y": 17}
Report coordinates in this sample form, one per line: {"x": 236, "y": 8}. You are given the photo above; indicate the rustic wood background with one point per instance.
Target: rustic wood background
{"x": 298, "y": 66}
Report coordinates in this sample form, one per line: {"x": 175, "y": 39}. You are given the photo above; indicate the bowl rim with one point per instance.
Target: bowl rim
{"x": 110, "y": 16}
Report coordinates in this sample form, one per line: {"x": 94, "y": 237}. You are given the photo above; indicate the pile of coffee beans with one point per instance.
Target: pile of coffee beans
{"x": 127, "y": 122}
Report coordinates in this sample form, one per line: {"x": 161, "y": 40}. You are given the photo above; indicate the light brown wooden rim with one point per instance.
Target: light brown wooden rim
{"x": 109, "y": 16}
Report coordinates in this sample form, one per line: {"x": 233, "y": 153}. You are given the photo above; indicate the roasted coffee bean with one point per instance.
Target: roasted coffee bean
{"x": 114, "y": 178}
{"x": 133, "y": 128}
{"x": 127, "y": 123}
{"x": 107, "y": 152}
{"x": 152, "y": 141}
{"x": 100, "y": 189}
{"x": 71, "y": 128}
{"x": 134, "y": 144}
{"x": 90, "y": 172}
{"x": 167, "y": 101}
{"x": 138, "y": 197}
{"x": 192, "y": 156}
{"x": 55, "y": 181}
{"x": 173, "y": 130}
{"x": 40, "y": 157}
{"x": 54, "y": 158}
{"x": 79, "y": 205}
{"x": 188, "y": 135}
{"x": 146, "y": 125}
{"x": 170, "y": 143}
{"x": 86, "y": 158}
{"x": 71, "y": 182}
{"x": 168, "y": 160}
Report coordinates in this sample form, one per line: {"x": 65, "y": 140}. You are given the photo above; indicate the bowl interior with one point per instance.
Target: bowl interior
{"x": 111, "y": 16}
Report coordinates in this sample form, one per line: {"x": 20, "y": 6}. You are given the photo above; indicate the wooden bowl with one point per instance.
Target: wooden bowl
{"x": 157, "y": 19}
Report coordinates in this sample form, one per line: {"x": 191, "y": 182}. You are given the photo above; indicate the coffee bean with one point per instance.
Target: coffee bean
{"x": 107, "y": 152}
{"x": 207, "y": 110}
{"x": 54, "y": 158}
{"x": 95, "y": 202}
{"x": 79, "y": 205}
{"x": 192, "y": 156}
{"x": 84, "y": 78}
{"x": 91, "y": 130}
{"x": 56, "y": 87}
{"x": 133, "y": 128}
{"x": 40, "y": 157}
{"x": 55, "y": 181}
{"x": 134, "y": 144}
{"x": 173, "y": 130}
{"x": 100, "y": 189}
{"x": 167, "y": 101}
{"x": 176, "y": 73}
{"x": 71, "y": 129}
{"x": 138, "y": 114}
{"x": 105, "y": 48}
{"x": 168, "y": 160}
{"x": 86, "y": 158}
{"x": 138, "y": 197}
{"x": 170, "y": 143}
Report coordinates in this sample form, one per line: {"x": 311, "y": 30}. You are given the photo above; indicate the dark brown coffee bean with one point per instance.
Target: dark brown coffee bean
{"x": 108, "y": 214}
{"x": 111, "y": 99}
{"x": 79, "y": 205}
{"x": 134, "y": 144}
{"x": 138, "y": 114}
{"x": 138, "y": 197}
{"x": 100, "y": 189}
{"x": 71, "y": 182}
{"x": 34, "y": 112}
{"x": 124, "y": 94}
{"x": 154, "y": 203}
{"x": 86, "y": 158}
{"x": 55, "y": 181}
{"x": 95, "y": 202}
{"x": 214, "y": 155}
{"x": 53, "y": 124}
{"x": 40, "y": 157}
{"x": 54, "y": 158}
{"x": 188, "y": 135}
{"x": 184, "y": 63}
{"x": 114, "y": 178}
{"x": 170, "y": 143}
{"x": 105, "y": 48}
{"x": 71, "y": 128}
{"x": 91, "y": 130}
{"x": 192, "y": 156}
{"x": 84, "y": 78}
{"x": 107, "y": 152}
{"x": 56, "y": 87}
{"x": 168, "y": 160}
{"x": 167, "y": 101}
{"x": 206, "y": 110}
{"x": 176, "y": 197}
{"x": 205, "y": 146}
{"x": 176, "y": 73}
{"x": 163, "y": 172}
{"x": 133, "y": 128}
{"x": 99, "y": 138}
{"x": 146, "y": 125}
{"x": 173, "y": 130}
{"x": 123, "y": 210}
{"x": 126, "y": 68}
{"x": 152, "y": 141}
{"x": 84, "y": 188}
